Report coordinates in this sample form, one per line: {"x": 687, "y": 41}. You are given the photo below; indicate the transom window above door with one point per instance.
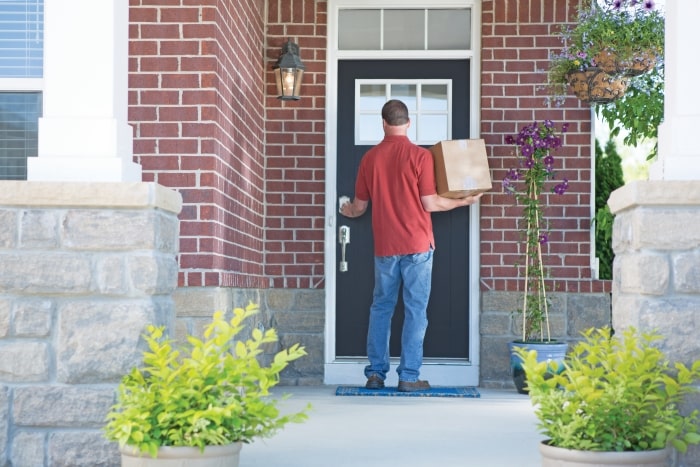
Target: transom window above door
{"x": 428, "y": 102}
{"x": 404, "y": 29}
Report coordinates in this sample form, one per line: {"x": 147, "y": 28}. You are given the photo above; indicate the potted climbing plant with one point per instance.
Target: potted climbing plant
{"x": 535, "y": 145}
{"x": 199, "y": 403}
{"x": 618, "y": 401}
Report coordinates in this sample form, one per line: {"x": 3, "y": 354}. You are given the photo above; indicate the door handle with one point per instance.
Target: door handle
{"x": 343, "y": 239}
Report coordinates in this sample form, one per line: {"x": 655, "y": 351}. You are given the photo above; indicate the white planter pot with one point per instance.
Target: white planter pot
{"x": 175, "y": 456}
{"x": 559, "y": 457}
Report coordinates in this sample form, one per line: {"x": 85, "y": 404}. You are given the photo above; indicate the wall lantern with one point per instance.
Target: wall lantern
{"x": 288, "y": 72}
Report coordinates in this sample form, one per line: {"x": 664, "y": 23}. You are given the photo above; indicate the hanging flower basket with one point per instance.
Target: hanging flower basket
{"x": 637, "y": 64}
{"x": 594, "y": 86}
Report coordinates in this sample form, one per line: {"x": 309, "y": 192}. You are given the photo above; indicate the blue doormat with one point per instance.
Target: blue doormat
{"x": 392, "y": 391}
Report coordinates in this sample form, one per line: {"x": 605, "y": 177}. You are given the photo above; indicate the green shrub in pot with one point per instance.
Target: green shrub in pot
{"x": 615, "y": 394}
{"x": 212, "y": 392}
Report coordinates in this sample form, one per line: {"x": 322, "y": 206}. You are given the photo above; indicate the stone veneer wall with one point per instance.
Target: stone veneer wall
{"x": 569, "y": 315}
{"x": 656, "y": 273}
{"x": 298, "y": 316}
{"x": 84, "y": 267}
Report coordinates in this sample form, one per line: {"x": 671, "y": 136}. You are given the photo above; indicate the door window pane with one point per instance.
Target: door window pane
{"x": 372, "y": 97}
{"x": 405, "y": 93}
{"x": 359, "y": 29}
{"x": 449, "y": 29}
{"x": 434, "y": 97}
{"x": 21, "y": 38}
{"x": 432, "y": 128}
{"x": 369, "y": 127}
{"x": 404, "y": 29}
{"x": 428, "y": 103}
{"x": 19, "y": 132}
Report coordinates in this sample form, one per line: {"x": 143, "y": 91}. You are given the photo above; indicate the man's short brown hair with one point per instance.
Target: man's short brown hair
{"x": 395, "y": 113}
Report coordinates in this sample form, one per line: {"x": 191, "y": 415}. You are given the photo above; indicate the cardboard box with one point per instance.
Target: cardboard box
{"x": 461, "y": 168}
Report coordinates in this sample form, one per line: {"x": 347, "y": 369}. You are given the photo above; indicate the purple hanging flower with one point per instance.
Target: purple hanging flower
{"x": 561, "y": 188}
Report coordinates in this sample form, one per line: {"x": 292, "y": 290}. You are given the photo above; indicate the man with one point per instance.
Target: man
{"x": 399, "y": 178}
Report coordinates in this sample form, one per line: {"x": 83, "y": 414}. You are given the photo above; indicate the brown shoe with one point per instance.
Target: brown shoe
{"x": 374, "y": 382}
{"x": 405, "y": 386}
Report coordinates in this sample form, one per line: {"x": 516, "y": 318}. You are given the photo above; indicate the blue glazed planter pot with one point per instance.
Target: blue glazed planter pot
{"x": 546, "y": 351}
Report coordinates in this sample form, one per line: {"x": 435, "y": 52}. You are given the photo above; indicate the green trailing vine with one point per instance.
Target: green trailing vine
{"x": 640, "y": 111}
{"x": 608, "y": 178}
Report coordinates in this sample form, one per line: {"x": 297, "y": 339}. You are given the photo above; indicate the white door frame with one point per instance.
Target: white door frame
{"x": 442, "y": 372}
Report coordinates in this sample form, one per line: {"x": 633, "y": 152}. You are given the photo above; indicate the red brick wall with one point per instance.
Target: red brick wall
{"x": 196, "y": 103}
{"x": 517, "y": 40}
{"x": 295, "y": 150}
{"x": 251, "y": 168}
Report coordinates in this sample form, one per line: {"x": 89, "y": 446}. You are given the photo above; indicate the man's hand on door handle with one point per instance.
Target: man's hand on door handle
{"x": 352, "y": 209}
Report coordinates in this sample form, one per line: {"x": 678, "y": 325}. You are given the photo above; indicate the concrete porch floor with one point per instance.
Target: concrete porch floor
{"x": 496, "y": 430}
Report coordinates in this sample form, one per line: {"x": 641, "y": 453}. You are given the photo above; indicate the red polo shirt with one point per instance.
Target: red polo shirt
{"x": 393, "y": 175}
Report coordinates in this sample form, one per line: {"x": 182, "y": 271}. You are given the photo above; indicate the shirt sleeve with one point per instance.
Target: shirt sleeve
{"x": 362, "y": 183}
{"x": 426, "y": 174}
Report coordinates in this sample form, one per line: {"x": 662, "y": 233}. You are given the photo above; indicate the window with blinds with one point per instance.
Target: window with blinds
{"x": 21, "y": 70}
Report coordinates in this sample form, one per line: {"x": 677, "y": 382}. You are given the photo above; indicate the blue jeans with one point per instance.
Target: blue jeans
{"x": 415, "y": 271}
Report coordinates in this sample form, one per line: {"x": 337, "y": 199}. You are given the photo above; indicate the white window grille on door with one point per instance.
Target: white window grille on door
{"x": 428, "y": 102}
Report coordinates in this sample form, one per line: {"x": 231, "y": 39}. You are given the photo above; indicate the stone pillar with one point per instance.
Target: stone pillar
{"x": 84, "y": 133}
{"x": 85, "y": 267}
{"x": 656, "y": 274}
{"x": 656, "y": 235}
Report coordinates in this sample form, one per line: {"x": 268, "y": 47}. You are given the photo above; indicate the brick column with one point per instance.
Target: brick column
{"x": 85, "y": 266}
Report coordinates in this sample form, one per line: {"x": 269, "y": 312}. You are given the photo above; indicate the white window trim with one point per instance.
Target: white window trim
{"x": 21, "y": 84}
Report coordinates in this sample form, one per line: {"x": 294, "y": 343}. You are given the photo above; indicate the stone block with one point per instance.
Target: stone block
{"x": 299, "y": 322}
{"x": 24, "y": 362}
{"x": 676, "y": 319}
{"x": 495, "y": 360}
{"x": 111, "y": 275}
{"x": 154, "y": 274}
{"x": 4, "y": 423}
{"x": 62, "y": 406}
{"x": 644, "y": 274}
{"x": 82, "y": 449}
{"x": 500, "y": 301}
{"x": 167, "y": 232}
{"x": 5, "y": 314}
{"x": 98, "y": 341}
{"x": 585, "y": 311}
{"x": 311, "y": 300}
{"x": 105, "y": 230}
{"x": 201, "y": 301}
{"x": 680, "y": 226}
{"x": 28, "y": 449}
{"x": 496, "y": 324}
{"x": 8, "y": 228}
{"x": 39, "y": 229}
{"x": 686, "y": 272}
{"x": 310, "y": 364}
{"x": 280, "y": 299}
{"x": 45, "y": 273}
{"x": 32, "y": 317}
